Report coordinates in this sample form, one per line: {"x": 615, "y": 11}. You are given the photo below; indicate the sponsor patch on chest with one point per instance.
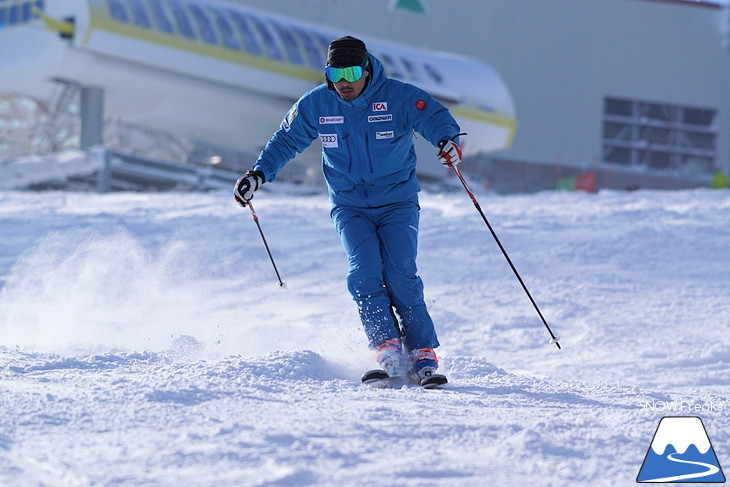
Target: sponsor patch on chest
{"x": 386, "y": 117}
{"x": 380, "y": 106}
{"x": 389, "y": 134}
{"x": 331, "y": 119}
{"x": 329, "y": 141}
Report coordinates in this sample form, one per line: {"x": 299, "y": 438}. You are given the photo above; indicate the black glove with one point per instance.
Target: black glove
{"x": 245, "y": 187}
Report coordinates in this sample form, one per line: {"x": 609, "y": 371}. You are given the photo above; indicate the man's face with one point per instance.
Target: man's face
{"x": 349, "y": 91}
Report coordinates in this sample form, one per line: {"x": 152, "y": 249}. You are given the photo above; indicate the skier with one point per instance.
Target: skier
{"x": 365, "y": 121}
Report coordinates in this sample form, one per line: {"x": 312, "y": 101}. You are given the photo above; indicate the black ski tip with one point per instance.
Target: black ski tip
{"x": 373, "y": 376}
{"x": 381, "y": 380}
{"x": 434, "y": 381}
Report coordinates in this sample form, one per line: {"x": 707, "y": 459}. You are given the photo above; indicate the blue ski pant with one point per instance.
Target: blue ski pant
{"x": 381, "y": 246}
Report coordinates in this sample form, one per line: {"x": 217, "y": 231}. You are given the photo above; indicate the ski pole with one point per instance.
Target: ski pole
{"x": 554, "y": 339}
{"x": 256, "y": 219}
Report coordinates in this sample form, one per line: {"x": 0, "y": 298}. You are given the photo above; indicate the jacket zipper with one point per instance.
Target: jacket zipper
{"x": 346, "y": 139}
{"x": 367, "y": 151}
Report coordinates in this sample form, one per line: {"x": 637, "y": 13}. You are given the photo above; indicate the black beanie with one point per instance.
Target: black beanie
{"x": 346, "y": 51}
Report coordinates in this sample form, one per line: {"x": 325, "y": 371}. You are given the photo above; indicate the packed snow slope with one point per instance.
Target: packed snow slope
{"x": 144, "y": 341}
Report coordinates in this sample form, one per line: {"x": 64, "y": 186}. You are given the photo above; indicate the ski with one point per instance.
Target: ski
{"x": 434, "y": 381}
{"x": 378, "y": 378}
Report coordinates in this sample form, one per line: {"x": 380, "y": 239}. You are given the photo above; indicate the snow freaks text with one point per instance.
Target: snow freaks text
{"x": 682, "y": 406}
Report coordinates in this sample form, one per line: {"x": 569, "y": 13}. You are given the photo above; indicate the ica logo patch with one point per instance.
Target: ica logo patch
{"x": 329, "y": 141}
{"x": 380, "y": 106}
{"x": 681, "y": 452}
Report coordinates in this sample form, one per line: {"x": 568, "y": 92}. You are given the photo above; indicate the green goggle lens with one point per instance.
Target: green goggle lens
{"x": 349, "y": 74}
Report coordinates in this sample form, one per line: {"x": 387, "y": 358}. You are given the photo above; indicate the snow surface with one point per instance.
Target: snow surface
{"x": 145, "y": 341}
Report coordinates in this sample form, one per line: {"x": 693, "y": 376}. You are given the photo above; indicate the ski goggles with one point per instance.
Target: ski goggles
{"x": 349, "y": 74}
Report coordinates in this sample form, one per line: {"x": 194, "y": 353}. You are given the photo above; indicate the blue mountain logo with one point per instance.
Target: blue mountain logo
{"x": 681, "y": 452}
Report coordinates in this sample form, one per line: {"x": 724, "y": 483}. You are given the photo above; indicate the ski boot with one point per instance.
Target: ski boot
{"x": 389, "y": 355}
{"x": 425, "y": 364}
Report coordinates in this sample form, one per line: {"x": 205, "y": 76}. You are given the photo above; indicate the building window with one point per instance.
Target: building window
{"x": 141, "y": 18}
{"x": 226, "y": 31}
{"x": 314, "y": 57}
{"x": 433, "y": 73}
{"x": 162, "y": 20}
{"x": 250, "y": 42}
{"x": 659, "y": 136}
{"x": 203, "y": 22}
{"x": 289, "y": 42}
{"x": 184, "y": 27}
{"x": 390, "y": 66}
{"x": 270, "y": 44}
{"x": 118, "y": 11}
{"x": 20, "y": 12}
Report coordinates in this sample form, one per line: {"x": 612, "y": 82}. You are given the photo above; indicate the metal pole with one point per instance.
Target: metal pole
{"x": 554, "y": 339}
{"x": 92, "y": 116}
{"x": 256, "y": 219}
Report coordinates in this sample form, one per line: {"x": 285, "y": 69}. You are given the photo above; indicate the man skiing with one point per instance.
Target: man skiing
{"x": 365, "y": 122}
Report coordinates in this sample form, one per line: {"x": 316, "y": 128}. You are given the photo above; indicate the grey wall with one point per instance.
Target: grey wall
{"x": 560, "y": 58}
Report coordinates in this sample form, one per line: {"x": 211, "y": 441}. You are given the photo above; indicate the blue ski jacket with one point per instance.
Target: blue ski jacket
{"x": 368, "y": 158}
